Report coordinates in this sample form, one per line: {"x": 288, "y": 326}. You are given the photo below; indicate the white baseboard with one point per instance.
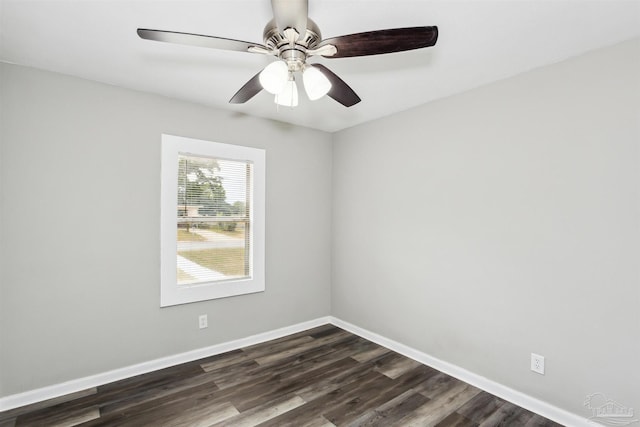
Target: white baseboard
{"x": 73, "y": 386}
{"x": 534, "y": 405}
{"x": 543, "y": 408}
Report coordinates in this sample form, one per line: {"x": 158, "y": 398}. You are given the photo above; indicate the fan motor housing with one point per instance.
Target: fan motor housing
{"x": 295, "y": 54}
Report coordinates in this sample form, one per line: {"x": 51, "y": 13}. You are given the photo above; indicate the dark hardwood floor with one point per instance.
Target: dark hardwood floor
{"x": 321, "y": 377}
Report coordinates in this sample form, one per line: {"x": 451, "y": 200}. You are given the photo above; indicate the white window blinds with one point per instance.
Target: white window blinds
{"x": 214, "y": 212}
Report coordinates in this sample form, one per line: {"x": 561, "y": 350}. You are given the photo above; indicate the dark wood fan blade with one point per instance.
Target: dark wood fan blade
{"x": 197, "y": 40}
{"x": 248, "y": 91}
{"x": 291, "y": 14}
{"x": 340, "y": 91}
{"x": 382, "y": 41}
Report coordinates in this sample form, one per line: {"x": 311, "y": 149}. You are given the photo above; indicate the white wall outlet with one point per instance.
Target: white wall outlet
{"x": 202, "y": 321}
{"x": 537, "y": 363}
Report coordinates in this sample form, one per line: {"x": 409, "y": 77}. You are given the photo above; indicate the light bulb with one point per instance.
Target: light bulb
{"x": 289, "y": 95}
{"x": 274, "y": 77}
{"x": 316, "y": 84}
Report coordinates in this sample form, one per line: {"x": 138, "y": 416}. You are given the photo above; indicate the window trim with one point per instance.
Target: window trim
{"x": 170, "y": 292}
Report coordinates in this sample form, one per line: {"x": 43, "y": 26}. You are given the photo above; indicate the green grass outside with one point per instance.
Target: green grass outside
{"x": 187, "y": 236}
{"x": 228, "y": 261}
{"x": 237, "y": 233}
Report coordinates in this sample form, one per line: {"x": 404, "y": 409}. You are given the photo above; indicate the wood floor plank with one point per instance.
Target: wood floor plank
{"x": 13, "y": 413}
{"x": 308, "y": 332}
{"x": 437, "y": 384}
{"x": 150, "y": 379}
{"x": 289, "y": 385}
{"x": 266, "y": 349}
{"x": 202, "y": 416}
{"x": 318, "y": 422}
{"x": 480, "y": 407}
{"x": 367, "y": 398}
{"x": 317, "y": 359}
{"x": 297, "y": 364}
{"x": 67, "y": 419}
{"x": 325, "y": 332}
{"x": 321, "y": 377}
{"x": 370, "y": 352}
{"x": 456, "y": 420}
{"x": 262, "y": 413}
{"x": 325, "y": 402}
{"x": 506, "y": 415}
{"x": 390, "y": 411}
{"x": 130, "y": 390}
{"x": 365, "y": 402}
{"x": 540, "y": 421}
{"x": 225, "y": 362}
{"x": 231, "y": 375}
{"x": 301, "y": 348}
{"x": 77, "y": 418}
{"x": 205, "y": 392}
{"x": 438, "y": 408}
{"x": 139, "y": 388}
{"x": 325, "y": 386}
{"x": 186, "y": 411}
{"x": 154, "y": 395}
{"x": 397, "y": 366}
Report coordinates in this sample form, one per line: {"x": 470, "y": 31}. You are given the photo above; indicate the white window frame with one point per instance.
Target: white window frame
{"x": 170, "y": 292}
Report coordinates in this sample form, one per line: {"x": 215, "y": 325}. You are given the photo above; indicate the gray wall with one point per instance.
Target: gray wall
{"x": 500, "y": 222}
{"x": 80, "y": 248}
{"x": 477, "y": 229}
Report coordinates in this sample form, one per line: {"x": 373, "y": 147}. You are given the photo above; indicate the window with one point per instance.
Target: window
{"x": 212, "y": 220}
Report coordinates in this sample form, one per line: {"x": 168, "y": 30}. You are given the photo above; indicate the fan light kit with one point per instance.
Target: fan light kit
{"x": 292, "y": 37}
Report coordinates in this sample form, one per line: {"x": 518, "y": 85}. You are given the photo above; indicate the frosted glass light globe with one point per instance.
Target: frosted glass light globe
{"x": 316, "y": 84}
{"x": 274, "y": 77}
{"x": 289, "y": 95}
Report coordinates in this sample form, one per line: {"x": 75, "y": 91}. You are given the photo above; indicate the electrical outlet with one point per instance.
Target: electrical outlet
{"x": 537, "y": 363}
{"x": 202, "y": 321}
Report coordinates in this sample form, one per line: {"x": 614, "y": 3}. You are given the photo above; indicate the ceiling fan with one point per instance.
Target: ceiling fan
{"x": 293, "y": 37}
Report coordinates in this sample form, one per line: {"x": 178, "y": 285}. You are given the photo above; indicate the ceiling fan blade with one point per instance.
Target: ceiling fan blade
{"x": 200, "y": 40}
{"x": 248, "y": 91}
{"x": 291, "y": 14}
{"x": 382, "y": 41}
{"x": 340, "y": 91}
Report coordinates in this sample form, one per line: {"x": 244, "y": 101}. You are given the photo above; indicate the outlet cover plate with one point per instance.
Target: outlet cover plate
{"x": 202, "y": 321}
{"x": 537, "y": 363}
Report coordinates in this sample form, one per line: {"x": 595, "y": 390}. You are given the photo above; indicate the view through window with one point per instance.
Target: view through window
{"x": 213, "y": 219}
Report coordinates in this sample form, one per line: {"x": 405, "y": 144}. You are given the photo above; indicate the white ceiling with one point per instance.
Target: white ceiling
{"x": 479, "y": 42}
